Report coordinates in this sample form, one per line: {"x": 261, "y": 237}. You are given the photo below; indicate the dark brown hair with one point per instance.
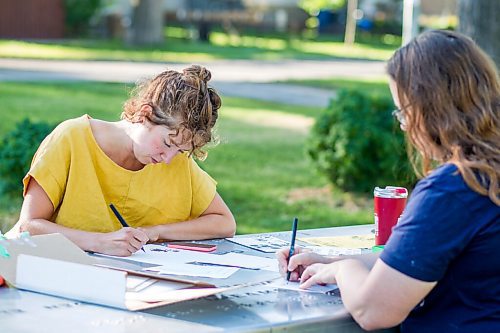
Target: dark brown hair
{"x": 180, "y": 101}
{"x": 450, "y": 92}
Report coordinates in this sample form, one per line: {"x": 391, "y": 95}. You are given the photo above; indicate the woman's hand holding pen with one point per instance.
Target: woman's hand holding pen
{"x": 122, "y": 242}
{"x": 301, "y": 259}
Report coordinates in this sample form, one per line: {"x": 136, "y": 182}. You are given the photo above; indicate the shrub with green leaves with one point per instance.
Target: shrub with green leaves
{"x": 16, "y": 152}
{"x": 78, "y": 14}
{"x": 358, "y": 145}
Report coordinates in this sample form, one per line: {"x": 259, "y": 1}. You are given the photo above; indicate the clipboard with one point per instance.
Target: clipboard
{"x": 51, "y": 264}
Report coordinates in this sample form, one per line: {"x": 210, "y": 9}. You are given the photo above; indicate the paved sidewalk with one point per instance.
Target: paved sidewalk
{"x": 240, "y": 78}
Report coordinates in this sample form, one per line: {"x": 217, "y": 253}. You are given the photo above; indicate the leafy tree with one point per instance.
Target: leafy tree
{"x": 78, "y": 14}
{"x": 313, "y": 6}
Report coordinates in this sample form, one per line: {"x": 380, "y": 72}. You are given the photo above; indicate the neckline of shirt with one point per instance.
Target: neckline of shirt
{"x": 104, "y": 155}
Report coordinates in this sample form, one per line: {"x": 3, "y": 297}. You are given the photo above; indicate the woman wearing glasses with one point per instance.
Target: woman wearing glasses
{"x": 141, "y": 165}
{"x": 440, "y": 270}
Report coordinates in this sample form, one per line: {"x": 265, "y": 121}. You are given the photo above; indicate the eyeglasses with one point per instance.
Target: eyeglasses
{"x": 400, "y": 116}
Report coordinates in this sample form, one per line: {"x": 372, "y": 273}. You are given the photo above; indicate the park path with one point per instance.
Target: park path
{"x": 238, "y": 78}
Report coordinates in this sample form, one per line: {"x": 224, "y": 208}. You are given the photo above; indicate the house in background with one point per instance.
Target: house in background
{"x": 45, "y": 19}
{"x": 31, "y": 19}
{"x": 113, "y": 20}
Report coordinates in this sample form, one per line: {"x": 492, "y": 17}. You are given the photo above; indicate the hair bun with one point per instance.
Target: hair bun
{"x": 199, "y": 71}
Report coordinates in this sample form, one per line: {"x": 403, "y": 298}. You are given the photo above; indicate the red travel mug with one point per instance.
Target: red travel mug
{"x": 389, "y": 203}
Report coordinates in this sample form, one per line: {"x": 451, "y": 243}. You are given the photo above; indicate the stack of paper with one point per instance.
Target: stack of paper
{"x": 263, "y": 243}
{"x": 190, "y": 263}
{"x": 355, "y": 241}
{"x": 215, "y": 272}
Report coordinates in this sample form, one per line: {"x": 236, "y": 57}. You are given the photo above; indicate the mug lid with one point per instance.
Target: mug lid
{"x": 390, "y": 192}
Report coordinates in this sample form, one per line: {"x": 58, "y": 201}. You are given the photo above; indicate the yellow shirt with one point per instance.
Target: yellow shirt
{"x": 81, "y": 181}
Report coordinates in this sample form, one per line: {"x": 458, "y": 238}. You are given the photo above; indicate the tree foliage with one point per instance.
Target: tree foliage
{"x": 78, "y": 14}
{"x": 313, "y": 6}
{"x": 16, "y": 152}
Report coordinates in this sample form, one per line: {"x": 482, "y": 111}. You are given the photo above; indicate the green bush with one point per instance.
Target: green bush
{"x": 16, "y": 152}
{"x": 78, "y": 14}
{"x": 358, "y": 145}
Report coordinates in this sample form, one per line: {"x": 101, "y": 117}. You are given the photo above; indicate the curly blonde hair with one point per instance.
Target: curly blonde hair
{"x": 452, "y": 90}
{"x": 180, "y": 101}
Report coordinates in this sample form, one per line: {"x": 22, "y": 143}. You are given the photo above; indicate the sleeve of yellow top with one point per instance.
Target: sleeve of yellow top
{"x": 203, "y": 187}
{"x": 50, "y": 167}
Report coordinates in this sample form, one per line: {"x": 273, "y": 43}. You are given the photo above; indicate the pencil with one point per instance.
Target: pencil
{"x": 121, "y": 219}
{"x": 292, "y": 244}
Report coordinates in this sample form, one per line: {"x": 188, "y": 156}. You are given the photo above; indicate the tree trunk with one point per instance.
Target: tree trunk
{"x": 147, "y": 22}
{"x": 478, "y": 19}
{"x": 350, "y": 26}
{"x": 411, "y": 13}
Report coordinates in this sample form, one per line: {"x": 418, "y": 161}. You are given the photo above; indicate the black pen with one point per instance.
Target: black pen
{"x": 121, "y": 219}
{"x": 292, "y": 245}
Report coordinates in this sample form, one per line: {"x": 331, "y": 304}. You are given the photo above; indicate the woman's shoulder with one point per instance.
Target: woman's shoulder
{"x": 74, "y": 124}
{"x": 69, "y": 128}
{"x": 445, "y": 177}
{"x": 446, "y": 181}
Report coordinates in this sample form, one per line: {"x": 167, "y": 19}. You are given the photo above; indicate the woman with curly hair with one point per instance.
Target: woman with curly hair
{"x": 142, "y": 165}
{"x": 440, "y": 269}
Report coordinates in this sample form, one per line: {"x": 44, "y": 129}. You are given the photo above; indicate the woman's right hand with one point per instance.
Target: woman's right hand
{"x": 122, "y": 242}
{"x": 301, "y": 259}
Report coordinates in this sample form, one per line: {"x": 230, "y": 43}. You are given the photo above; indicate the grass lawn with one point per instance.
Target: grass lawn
{"x": 260, "y": 165}
{"x": 377, "y": 86}
{"x": 179, "y": 48}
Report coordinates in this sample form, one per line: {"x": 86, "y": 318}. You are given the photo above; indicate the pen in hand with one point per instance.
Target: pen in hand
{"x": 292, "y": 245}
{"x": 121, "y": 219}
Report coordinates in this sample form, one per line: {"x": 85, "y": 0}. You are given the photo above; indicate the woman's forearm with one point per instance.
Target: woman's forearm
{"x": 203, "y": 227}
{"x": 351, "y": 274}
{"x": 367, "y": 259}
{"x": 87, "y": 241}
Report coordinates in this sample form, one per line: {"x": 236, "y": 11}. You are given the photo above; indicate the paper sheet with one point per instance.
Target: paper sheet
{"x": 264, "y": 243}
{"x": 138, "y": 282}
{"x": 215, "y": 272}
{"x": 292, "y": 285}
{"x": 154, "y": 288}
{"x": 334, "y": 251}
{"x": 136, "y": 301}
{"x": 356, "y": 241}
{"x": 243, "y": 261}
{"x": 161, "y": 255}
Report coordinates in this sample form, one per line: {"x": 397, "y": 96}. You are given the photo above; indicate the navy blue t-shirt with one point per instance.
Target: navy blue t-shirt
{"x": 450, "y": 234}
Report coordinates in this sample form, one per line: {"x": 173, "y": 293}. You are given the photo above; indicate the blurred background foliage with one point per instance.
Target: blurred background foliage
{"x": 17, "y": 148}
{"x": 77, "y": 16}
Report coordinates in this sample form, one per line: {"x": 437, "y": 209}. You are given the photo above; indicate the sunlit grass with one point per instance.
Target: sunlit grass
{"x": 373, "y": 86}
{"x": 180, "y": 47}
{"x": 341, "y": 50}
{"x": 95, "y": 50}
{"x": 271, "y": 44}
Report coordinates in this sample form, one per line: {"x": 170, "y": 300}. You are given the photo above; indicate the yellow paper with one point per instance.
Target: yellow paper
{"x": 355, "y": 241}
